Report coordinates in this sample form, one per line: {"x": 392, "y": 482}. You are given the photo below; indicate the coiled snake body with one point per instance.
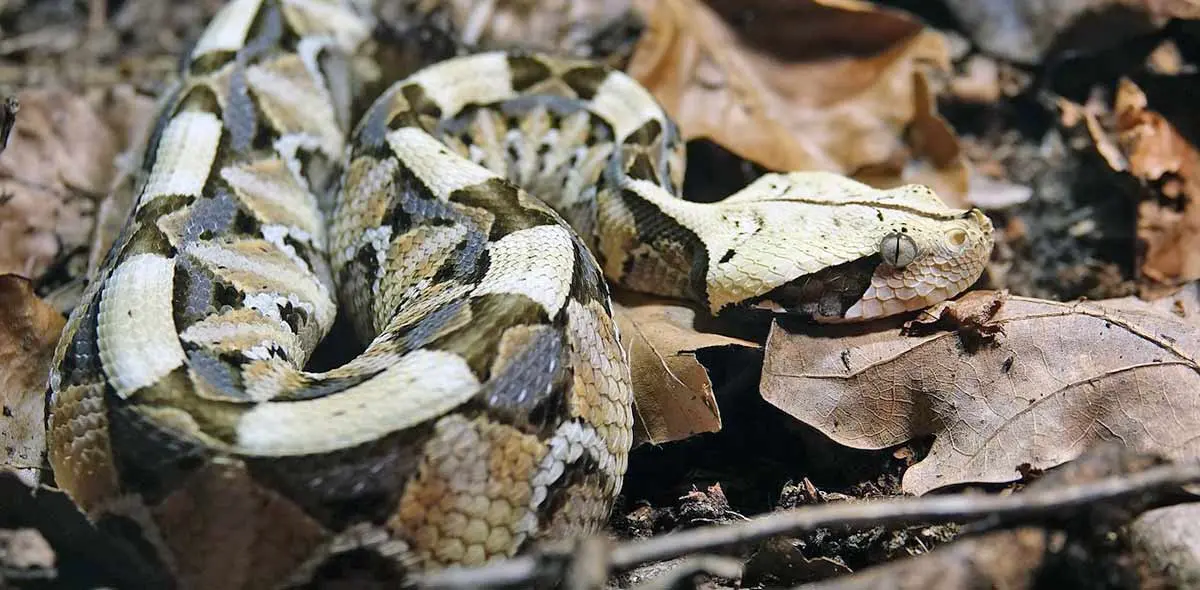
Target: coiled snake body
{"x": 491, "y": 406}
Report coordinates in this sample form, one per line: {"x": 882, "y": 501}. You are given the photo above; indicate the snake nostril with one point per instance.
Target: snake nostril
{"x": 957, "y": 237}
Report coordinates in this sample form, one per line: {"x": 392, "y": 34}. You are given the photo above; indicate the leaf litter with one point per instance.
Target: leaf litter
{"x": 837, "y": 85}
{"x": 1059, "y": 378}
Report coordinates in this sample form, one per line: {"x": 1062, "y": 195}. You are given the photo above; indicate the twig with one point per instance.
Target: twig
{"x": 1027, "y": 507}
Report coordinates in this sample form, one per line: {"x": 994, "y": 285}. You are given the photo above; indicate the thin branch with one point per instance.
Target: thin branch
{"x": 1027, "y": 507}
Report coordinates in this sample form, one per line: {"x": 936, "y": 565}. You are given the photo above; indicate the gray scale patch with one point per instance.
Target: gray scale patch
{"x": 467, "y": 259}
{"x": 423, "y": 332}
{"x": 241, "y": 118}
{"x": 195, "y": 286}
{"x": 422, "y": 209}
{"x": 528, "y": 380}
{"x": 81, "y": 361}
{"x": 210, "y": 216}
{"x": 270, "y": 32}
{"x": 219, "y": 375}
{"x": 372, "y": 132}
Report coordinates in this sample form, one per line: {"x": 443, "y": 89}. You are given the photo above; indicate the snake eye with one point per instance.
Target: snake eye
{"x": 898, "y": 250}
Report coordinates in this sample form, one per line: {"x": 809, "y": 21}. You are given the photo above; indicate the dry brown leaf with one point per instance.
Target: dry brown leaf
{"x": 1060, "y": 377}
{"x": 803, "y": 85}
{"x": 673, "y": 395}
{"x": 59, "y": 159}
{"x": 1168, "y": 226}
{"x": 29, "y": 329}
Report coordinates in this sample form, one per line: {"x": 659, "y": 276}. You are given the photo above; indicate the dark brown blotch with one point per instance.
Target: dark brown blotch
{"x": 501, "y": 198}
{"x": 419, "y": 102}
{"x": 492, "y": 314}
{"x": 585, "y": 81}
{"x": 526, "y": 71}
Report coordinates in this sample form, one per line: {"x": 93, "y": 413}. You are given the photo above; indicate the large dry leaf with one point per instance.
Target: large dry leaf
{"x": 803, "y": 85}
{"x": 1060, "y": 377}
{"x": 1169, "y": 221}
{"x": 1163, "y": 166}
{"x": 29, "y": 329}
{"x": 58, "y": 163}
{"x": 673, "y": 395}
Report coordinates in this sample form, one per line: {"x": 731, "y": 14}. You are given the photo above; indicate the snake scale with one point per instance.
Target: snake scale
{"x": 465, "y": 227}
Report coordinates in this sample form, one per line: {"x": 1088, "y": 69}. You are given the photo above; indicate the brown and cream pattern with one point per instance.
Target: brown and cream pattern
{"x": 478, "y": 207}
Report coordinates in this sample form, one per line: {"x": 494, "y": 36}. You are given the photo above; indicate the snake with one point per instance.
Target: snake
{"x": 466, "y": 230}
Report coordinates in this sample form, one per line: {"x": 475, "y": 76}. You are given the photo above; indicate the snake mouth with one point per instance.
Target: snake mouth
{"x": 826, "y": 294}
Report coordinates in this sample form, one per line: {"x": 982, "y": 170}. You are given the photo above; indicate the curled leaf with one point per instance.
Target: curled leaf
{"x": 1058, "y": 378}
{"x": 804, "y": 85}
{"x": 1169, "y": 221}
{"x": 673, "y": 395}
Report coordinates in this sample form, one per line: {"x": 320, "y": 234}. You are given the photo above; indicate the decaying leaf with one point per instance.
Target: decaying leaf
{"x": 673, "y": 396}
{"x": 969, "y": 315}
{"x": 1060, "y": 377}
{"x": 29, "y": 329}
{"x": 1163, "y": 167}
{"x": 804, "y": 85}
{"x": 58, "y": 161}
{"x": 1168, "y": 226}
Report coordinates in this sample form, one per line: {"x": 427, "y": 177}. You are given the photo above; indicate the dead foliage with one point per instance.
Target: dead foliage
{"x": 806, "y": 85}
{"x": 1057, "y": 379}
{"x": 29, "y": 330}
{"x": 1022, "y": 108}
{"x": 672, "y": 390}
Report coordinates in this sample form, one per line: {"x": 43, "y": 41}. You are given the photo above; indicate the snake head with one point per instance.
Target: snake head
{"x": 837, "y": 250}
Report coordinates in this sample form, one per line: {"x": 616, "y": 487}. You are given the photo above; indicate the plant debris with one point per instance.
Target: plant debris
{"x": 780, "y": 453}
